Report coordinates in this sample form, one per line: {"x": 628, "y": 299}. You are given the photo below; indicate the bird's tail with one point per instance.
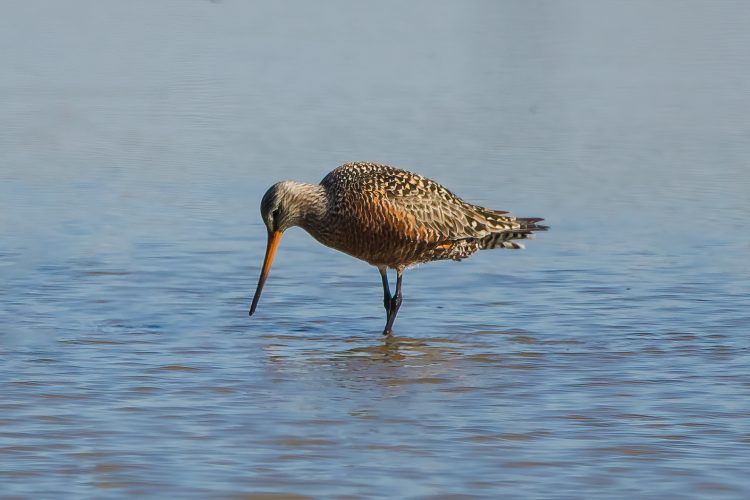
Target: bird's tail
{"x": 504, "y": 239}
{"x": 530, "y": 223}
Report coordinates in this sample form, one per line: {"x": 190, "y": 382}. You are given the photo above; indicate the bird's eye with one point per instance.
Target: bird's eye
{"x": 275, "y": 214}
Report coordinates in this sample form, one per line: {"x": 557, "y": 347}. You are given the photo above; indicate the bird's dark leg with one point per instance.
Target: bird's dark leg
{"x": 395, "y": 304}
{"x": 386, "y": 290}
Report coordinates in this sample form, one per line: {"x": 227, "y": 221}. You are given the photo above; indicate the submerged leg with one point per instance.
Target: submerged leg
{"x": 395, "y": 304}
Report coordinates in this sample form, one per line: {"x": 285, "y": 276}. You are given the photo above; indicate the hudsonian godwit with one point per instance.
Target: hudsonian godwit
{"x": 388, "y": 217}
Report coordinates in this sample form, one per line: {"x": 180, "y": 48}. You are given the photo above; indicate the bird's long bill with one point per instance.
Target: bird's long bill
{"x": 273, "y": 242}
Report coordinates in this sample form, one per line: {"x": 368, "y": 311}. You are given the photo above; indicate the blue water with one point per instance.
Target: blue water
{"x": 609, "y": 359}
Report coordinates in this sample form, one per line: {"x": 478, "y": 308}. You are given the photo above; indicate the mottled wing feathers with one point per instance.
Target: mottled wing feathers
{"x": 424, "y": 211}
{"x": 423, "y": 201}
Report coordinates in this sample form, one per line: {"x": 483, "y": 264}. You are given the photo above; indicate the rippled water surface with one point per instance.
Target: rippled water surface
{"x": 610, "y": 358}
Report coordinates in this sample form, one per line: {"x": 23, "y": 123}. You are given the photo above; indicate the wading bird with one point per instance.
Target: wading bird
{"x": 388, "y": 217}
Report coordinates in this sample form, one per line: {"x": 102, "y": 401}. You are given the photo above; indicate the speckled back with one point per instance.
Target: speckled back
{"x": 388, "y": 216}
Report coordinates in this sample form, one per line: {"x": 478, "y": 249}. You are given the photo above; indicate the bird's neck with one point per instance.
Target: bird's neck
{"x": 311, "y": 203}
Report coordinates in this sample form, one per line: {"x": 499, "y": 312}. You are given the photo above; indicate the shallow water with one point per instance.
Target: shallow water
{"x": 609, "y": 359}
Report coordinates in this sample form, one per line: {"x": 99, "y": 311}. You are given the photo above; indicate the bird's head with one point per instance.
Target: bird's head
{"x": 284, "y": 205}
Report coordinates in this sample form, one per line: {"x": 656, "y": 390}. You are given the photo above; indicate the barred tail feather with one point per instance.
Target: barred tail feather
{"x": 504, "y": 239}
{"x": 530, "y": 223}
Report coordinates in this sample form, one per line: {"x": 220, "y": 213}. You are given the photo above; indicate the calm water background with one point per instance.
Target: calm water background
{"x": 610, "y": 358}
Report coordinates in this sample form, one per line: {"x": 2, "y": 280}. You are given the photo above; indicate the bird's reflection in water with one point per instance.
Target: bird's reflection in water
{"x": 383, "y": 367}
{"x": 396, "y": 349}
{"x": 322, "y": 349}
